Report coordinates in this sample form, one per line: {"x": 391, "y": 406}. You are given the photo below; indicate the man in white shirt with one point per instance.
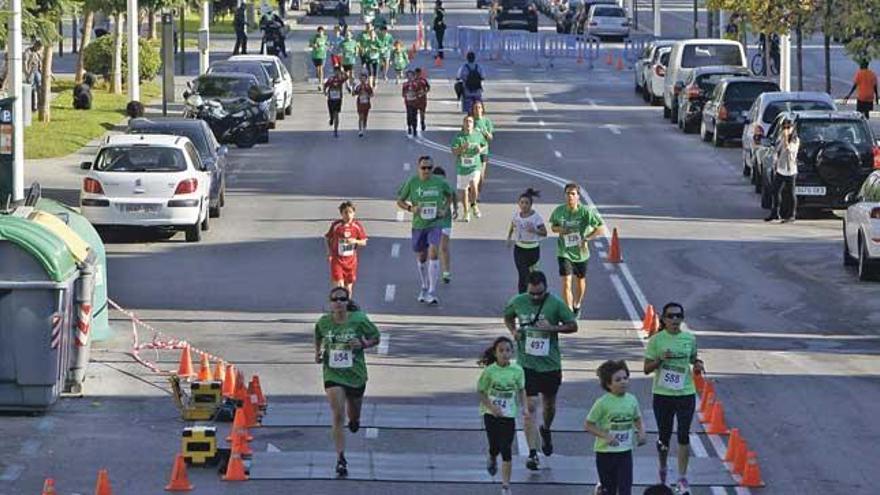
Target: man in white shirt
{"x": 785, "y": 171}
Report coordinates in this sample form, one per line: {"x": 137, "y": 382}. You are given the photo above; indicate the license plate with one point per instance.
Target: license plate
{"x": 139, "y": 207}
{"x": 809, "y": 190}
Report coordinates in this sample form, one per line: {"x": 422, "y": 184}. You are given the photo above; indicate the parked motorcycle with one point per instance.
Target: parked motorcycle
{"x": 235, "y": 121}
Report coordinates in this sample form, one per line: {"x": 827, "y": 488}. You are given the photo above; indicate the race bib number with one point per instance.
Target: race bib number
{"x": 572, "y": 240}
{"x": 505, "y": 402}
{"x": 364, "y": 99}
{"x": 346, "y": 248}
{"x": 623, "y": 437}
{"x": 428, "y": 211}
{"x": 411, "y": 96}
{"x": 672, "y": 379}
{"x": 468, "y": 161}
{"x": 537, "y": 345}
{"x": 341, "y": 358}
{"x": 335, "y": 94}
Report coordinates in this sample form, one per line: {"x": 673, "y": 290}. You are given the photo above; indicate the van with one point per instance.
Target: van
{"x": 689, "y": 54}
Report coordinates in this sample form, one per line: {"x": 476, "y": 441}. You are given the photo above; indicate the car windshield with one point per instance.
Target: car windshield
{"x": 255, "y": 69}
{"x": 849, "y": 131}
{"x": 140, "y": 159}
{"x": 271, "y": 69}
{"x": 701, "y": 55}
{"x": 775, "y": 108}
{"x": 194, "y": 133}
{"x": 707, "y": 82}
{"x": 223, "y": 87}
{"x": 608, "y": 12}
{"x": 748, "y": 90}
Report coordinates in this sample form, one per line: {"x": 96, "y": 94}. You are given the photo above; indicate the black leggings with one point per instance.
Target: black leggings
{"x": 500, "y": 432}
{"x": 372, "y": 67}
{"x": 412, "y": 117}
{"x": 679, "y": 408}
{"x": 615, "y": 472}
{"x": 525, "y": 259}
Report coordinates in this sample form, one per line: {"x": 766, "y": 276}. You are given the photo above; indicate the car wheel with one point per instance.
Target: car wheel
{"x": 272, "y": 124}
{"x": 194, "y": 233}
{"x": 646, "y": 95}
{"x": 665, "y": 112}
{"x": 289, "y": 109}
{"x": 247, "y": 139}
{"x": 206, "y": 223}
{"x": 638, "y": 88}
{"x": 214, "y": 211}
{"x": 222, "y": 201}
{"x": 263, "y": 137}
{"x": 673, "y": 114}
{"x": 866, "y": 266}
{"x": 678, "y": 120}
{"x": 757, "y": 178}
{"x": 848, "y": 259}
{"x": 704, "y": 134}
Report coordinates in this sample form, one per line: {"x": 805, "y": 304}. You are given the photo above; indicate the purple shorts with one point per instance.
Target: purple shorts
{"x": 422, "y": 238}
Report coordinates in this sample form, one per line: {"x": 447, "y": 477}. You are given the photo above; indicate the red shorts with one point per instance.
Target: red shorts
{"x": 347, "y": 272}
{"x": 363, "y": 108}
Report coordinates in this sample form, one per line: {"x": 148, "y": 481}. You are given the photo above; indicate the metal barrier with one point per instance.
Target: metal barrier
{"x": 539, "y": 48}
{"x": 633, "y": 47}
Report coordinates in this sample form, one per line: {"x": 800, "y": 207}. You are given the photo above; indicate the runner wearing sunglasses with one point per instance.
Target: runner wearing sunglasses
{"x": 340, "y": 339}
{"x": 535, "y": 319}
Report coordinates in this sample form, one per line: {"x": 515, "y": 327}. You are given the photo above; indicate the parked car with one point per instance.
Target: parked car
{"x": 861, "y": 229}
{"x": 232, "y": 91}
{"x": 517, "y": 14}
{"x": 837, "y": 153}
{"x": 280, "y": 77}
{"x": 483, "y": 3}
{"x": 654, "y": 93}
{"x": 256, "y": 69}
{"x": 643, "y": 65}
{"x": 148, "y": 181}
{"x": 327, "y": 7}
{"x": 698, "y": 86}
{"x": 724, "y": 114}
{"x": 213, "y": 155}
{"x": 582, "y": 12}
{"x": 607, "y": 21}
{"x": 764, "y": 111}
{"x": 686, "y": 55}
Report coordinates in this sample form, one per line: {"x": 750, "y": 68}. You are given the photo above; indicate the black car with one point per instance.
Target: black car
{"x": 724, "y": 114}
{"x": 837, "y": 152}
{"x": 517, "y": 14}
{"x": 253, "y": 67}
{"x": 233, "y": 89}
{"x": 697, "y": 87}
{"x": 328, "y": 7}
{"x": 213, "y": 155}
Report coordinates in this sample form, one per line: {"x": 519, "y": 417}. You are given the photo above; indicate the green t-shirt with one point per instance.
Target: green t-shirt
{"x": 581, "y": 222}
{"x": 386, "y": 41}
{"x": 373, "y": 49}
{"x": 349, "y": 50}
{"x": 342, "y": 364}
{"x": 616, "y": 414}
{"x": 674, "y": 376}
{"x": 430, "y": 195}
{"x": 469, "y": 161}
{"x": 399, "y": 58}
{"x": 364, "y": 41}
{"x": 319, "y": 45}
{"x": 502, "y": 384}
{"x": 537, "y": 350}
{"x": 485, "y": 125}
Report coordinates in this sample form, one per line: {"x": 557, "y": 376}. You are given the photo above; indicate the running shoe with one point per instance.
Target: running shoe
{"x": 354, "y": 426}
{"x": 423, "y": 126}
{"x": 598, "y": 489}
{"x": 532, "y": 463}
{"x": 447, "y": 277}
{"x": 683, "y": 487}
{"x": 467, "y": 217}
{"x": 546, "y": 441}
{"x": 432, "y": 300}
{"x": 492, "y": 466}
{"x": 423, "y": 295}
{"x": 505, "y": 490}
{"x": 360, "y": 133}
{"x": 577, "y": 311}
{"x": 341, "y": 467}
{"x": 663, "y": 475}
{"x": 320, "y": 88}
{"x": 331, "y": 121}
{"x": 476, "y": 210}
{"x": 336, "y": 134}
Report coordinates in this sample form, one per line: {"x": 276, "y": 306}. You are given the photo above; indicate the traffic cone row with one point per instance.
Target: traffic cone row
{"x": 614, "y": 254}
{"x": 651, "y": 322}
{"x": 619, "y": 63}
{"x": 205, "y": 373}
{"x": 49, "y": 487}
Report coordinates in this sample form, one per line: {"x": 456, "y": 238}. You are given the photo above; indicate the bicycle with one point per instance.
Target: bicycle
{"x": 757, "y": 64}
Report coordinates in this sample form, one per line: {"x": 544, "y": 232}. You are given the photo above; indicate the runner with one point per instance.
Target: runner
{"x": 333, "y": 89}
{"x": 400, "y": 59}
{"x": 487, "y": 128}
{"x": 344, "y": 238}
{"x": 340, "y": 339}
{"x": 386, "y": 41}
{"x": 502, "y": 394}
{"x": 410, "y": 96}
{"x": 374, "y": 53}
{"x": 349, "y": 51}
{"x": 428, "y": 198}
{"x": 364, "y": 40}
{"x": 672, "y": 357}
{"x": 535, "y": 319}
{"x": 451, "y": 212}
{"x": 319, "y": 44}
{"x": 576, "y": 225}
{"x": 364, "y": 93}
{"x": 525, "y": 233}
{"x": 467, "y": 146}
{"x": 335, "y": 46}
{"x": 613, "y": 419}
{"x": 424, "y": 87}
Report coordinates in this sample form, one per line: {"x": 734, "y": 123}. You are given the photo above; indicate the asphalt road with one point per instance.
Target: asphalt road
{"x": 788, "y": 334}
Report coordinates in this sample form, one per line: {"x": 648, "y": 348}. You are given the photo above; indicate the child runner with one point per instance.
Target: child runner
{"x": 410, "y": 91}
{"x": 445, "y": 255}
{"x": 424, "y": 87}
{"x": 333, "y": 89}
{"x": 344, "y": 238}
{"x": 615, "y": 419}
{"x": 502, "y": 394}
{"x": 386, "y": 41}
{"x": 400, "y": 59}
{"x": 349, "y": 51}
{"x": 364, "y": 93}
{"x": 525, "y": 233}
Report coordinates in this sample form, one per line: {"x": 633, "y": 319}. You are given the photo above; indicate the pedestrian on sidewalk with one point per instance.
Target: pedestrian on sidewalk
{"x": 865, "y": 83}
{"x": 33, "y": 72}
{"x": 239, "y": 22}
{"x": 471, "y": 77}
{"x": 782, "y": 190}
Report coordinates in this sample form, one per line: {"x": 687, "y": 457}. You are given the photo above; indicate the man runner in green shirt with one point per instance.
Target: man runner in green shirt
{"x": 576, "y": 225}
{"x": 535, "y": 319}
{"x": 427, "y": 197}
{"x": 319, "y": 45}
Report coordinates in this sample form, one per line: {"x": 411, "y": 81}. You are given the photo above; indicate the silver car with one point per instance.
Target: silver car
{"x": 607, "y": 21}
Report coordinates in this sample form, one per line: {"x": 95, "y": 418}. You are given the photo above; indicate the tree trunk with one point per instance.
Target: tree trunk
{"x": 116, "y": 72}
{"x": 46, "y": 89}
{"x": 151, "y": 24}
{"x": 88, "y": 25}
{"x": 799, "y": 34}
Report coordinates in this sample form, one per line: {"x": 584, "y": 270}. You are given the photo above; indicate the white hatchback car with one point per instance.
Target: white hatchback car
{"x": 282, "y": 82}
{"x": 609, "y": 21}
{"x": 147, "y": 180}
{"x": 861, "y": 229}
{"x": 657, "y": 74}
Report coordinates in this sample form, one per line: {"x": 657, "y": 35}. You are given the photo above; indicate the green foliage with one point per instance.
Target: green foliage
{"x": 855, "y": 23}
{"x": 98, "y": 57}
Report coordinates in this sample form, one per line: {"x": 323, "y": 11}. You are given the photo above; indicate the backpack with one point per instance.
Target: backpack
{"x": 473, "y": 81}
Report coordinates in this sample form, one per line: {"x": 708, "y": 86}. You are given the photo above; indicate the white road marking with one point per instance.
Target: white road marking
{"x": 557, "y": 154}
{"x": 717, "y": 490}
{"x": 390, "y": 289}
{"x": 531, "y": 100}
{"x": 542, "y": 123}
{"x": 697, "y": 446}
{"x": 549, "y": 136}
{"x": 12, "y": 472}
{"x": 590, "y": 102}
{"x": 400, "y": 215}
{"x": 406, "y": 166}
{"x": 395, "y": 250}
{"x": 718, "y": 445}
{"x": 522, "y": 445}
{"x": 372, "y": 433}
{"x": 272, "y": 448}
{"x": 384, "y": 342}
{"x": 614, "y": 128}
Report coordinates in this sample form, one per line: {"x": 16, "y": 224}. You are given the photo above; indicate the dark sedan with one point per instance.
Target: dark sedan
{"x": 213, "y": 155}
{"x": 698, "y": 86}
{"x": 724, "y": 114}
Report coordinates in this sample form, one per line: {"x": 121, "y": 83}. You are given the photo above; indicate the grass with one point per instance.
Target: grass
{"x": 69, "y": 129}
{"x": 193, "y": 21}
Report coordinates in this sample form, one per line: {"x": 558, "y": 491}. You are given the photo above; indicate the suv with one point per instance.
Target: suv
{"x": 689, "y": 54}
{"x": 724, "y": 115}
{"x": 697, "y": 88}
{"x": 861, "y": 229}
{"x": 837, "y": 153}
{"x": 517, "y": 14}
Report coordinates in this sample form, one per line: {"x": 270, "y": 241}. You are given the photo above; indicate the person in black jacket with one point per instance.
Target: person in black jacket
{"x": 439, "y": 26}
{"x": 240, "y": 24}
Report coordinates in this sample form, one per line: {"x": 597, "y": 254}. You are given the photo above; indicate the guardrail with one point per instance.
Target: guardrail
{"x": 539, "y": 48}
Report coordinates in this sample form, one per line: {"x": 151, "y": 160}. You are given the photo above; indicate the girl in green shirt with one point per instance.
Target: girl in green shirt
{"x": 399, "y": 59}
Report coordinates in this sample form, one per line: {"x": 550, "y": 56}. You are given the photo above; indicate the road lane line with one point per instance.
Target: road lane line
{"x": 372, "y": 433}
{"x": 384, "y": 343}
{"x": 717, "y": 490}
{"x": 531, "y": 100}
{"x": 542, "y": 123}
{"x": 272, "y": 448}
{"x": 395, "y": 250}
{"x": 549, "y": 137}
{"x": 406, "y": 167}
{"x": 557, "y": 154}
{"x": 697, "y": 446}
{"x": 522, "y": 445}
{"x": 718, "y": 445}
{"x": 400, "y": 215}
{"x": 390, "y": 289}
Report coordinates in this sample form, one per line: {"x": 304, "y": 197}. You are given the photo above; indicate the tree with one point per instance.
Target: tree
{"x": 855, "y": 23}
{"x": 88, "y": 8}
{"x": 46, "y": 16}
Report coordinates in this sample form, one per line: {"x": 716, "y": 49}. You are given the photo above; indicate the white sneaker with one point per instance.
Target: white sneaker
{"x": 598, "y": 489}
{"x": 505, "y": 490}
{"x": 476, "y": 210}
{"x": 432, "y": 300}
{"x": 423, "y": 295}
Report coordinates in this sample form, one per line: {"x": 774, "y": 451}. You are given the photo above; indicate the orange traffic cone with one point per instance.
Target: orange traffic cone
{"x": 205, "y": 369}
{"x": 717, "y": 426}
{"x": 648, "y": 321}
{"x": 614, "y": 254}
{"x": 251, "y": 410}
{"x": 739, "y": 457}
{"x": 258, "y": 390}
{"x": 102, "y": 487}
{"x": 179, "y": 480}
{"x": 240, "y": 388}
{"x": 239, "y": 424}
{"x": 699, "y": 382}
{"x": 49, "y": 487}
{"x": 240, "y": 445}
{"x": 609, "y": 59}
{"x": 185, "y": 368}
{"x": 706, "y": 407}
{"x": 752, "y": 476}
{"x": 732, "y": 444}
{"x": 219, "y": 371}
{"x": 438, "y": 61}
{"x": 619, "y": 62}
{"x": 229, "y": 381}
{"x": 235, "y": 469}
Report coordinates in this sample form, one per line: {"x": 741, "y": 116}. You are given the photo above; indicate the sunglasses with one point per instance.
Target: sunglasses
{"x": 537, "y": 294}
{"x": 674, "y": 316}
{"x": 429, "y": 167}
{"x": 339, "y": 299}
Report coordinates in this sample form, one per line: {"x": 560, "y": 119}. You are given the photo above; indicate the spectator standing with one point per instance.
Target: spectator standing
{"x": 865, "y": 83}
{"x": 239, "y": 22}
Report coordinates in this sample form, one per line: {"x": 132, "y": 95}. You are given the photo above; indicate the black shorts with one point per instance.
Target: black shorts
{"x": 678, "y": 409}
{"x": 568, "y": 267}
{"x": 347, "y": 67}
{"x": 318, "y": 62}
{"x": 542, "y": 382}
{"x": 864, "y": 106}
{"x": 350, "y": 392}
{"x": 334, "y": 106}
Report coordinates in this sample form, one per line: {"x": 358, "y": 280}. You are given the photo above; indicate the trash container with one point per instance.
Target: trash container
{"x": 38, "y": 274}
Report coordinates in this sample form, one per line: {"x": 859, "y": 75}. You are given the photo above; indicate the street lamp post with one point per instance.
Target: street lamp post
{"x": 785, "y": 62}
{"x": 134, "y": 82}
{"x": 14, "y": 76}
{"x": 204, "y": 38}
{"x": 657, "y": 30}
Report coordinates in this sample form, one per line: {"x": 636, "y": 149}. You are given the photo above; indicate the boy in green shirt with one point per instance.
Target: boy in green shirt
{"x": 386, "y": 41}
{"x": 319, "y": 44}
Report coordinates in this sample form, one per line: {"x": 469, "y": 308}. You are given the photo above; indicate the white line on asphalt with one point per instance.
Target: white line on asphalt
{"x": 12, "y": 472}
{"x": 640, "y": 296}
{"x": 549, "y": 137}
{"x": 627, "y": 304}
{"x": 717, "y": 490}
{"x": 406, "y": 166}
{"x": 531, "y": 100}
{"x": 390, "y": 289}
{"x": 697, "y": 446}
{"x": 557, "y": 154}
{"x": 395, "y": 250}
{"x": 400, "y": 215}
{"x": 372, "y": 433}
{"x": 601, "y": 254}
{"x": 718, "y": 445}
{"x": 522, "y": 445}
{"x": 542, "y": 123}
{"x": 384, "y": 343}
{"x": 272, "y": 448}
{"x": 614, "y": 128}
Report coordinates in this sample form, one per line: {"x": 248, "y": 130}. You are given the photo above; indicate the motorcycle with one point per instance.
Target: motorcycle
{"x": 273, "y": 38}
{"x": 234, "y": 122}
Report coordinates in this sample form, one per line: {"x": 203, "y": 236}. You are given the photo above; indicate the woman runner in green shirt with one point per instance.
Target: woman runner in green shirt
{"x": 340, "y": 339}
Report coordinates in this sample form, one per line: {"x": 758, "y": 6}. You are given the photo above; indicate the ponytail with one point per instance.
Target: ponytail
{"x": 488, "y": 357}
